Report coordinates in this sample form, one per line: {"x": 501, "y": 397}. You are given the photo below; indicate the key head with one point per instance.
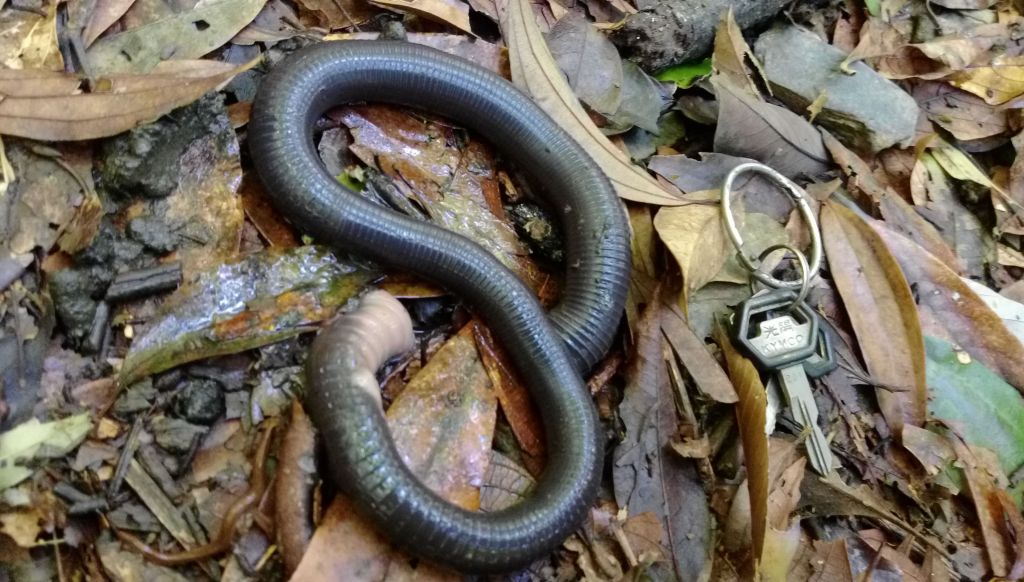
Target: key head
{"x": 781, "y": 340}
{"x": 824, "y": 359}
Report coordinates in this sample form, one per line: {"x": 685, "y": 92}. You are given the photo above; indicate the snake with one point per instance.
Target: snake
{"x": 552, "y": 350}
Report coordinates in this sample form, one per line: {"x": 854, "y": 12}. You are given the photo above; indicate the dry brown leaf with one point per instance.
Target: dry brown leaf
{"x": 28, "y": 40}
{"x": 338, "y": 14}
{"x": 535, "y": 71}
{"x": 180, "y": 36}
{"x": 751, "y": 410}
{"x": 451, "y": 12}
{"x": 949, "y": 309}
{"x": 964, "y": 115}
{"x": 705, "y": 370}
{"x": 52, "y": 107}
{"x": 931, "y": 449}
{"x": 104, "y": 14}
{"x": 261, "y": 212}
{"x": 996, "y": 83}
{"x": 732, "y": 54}
{"x": 882, "y": 313}
{"x": 694, "y": 235}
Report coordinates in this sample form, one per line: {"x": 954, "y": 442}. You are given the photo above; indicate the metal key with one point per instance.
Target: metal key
{"x": 783, "y": 344}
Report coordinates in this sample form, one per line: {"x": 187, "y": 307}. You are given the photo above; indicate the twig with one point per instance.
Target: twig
{"x": 127, "y": 454}
{"x": 144, "y": 282}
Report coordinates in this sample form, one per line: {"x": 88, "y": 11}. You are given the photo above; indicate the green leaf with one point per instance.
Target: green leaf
{"x": 686, "y": 74}
{"x": 874, "y": 7}
{"x": 976, "y": 402}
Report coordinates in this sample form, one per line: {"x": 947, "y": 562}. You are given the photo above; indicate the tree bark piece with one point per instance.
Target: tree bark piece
{"x": 668, "y": 32}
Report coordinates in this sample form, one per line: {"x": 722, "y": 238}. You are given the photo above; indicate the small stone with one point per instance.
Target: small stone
{"x": 153, "y": 233}
{"x": 175, "y": 435}
{"x": 865, "y": 111}
{"x": 138, "y": 397}
{"x": 200, "y": 401}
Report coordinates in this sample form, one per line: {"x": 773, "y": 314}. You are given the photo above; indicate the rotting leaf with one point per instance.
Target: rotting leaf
{"x": 930, "y": 448}
{"x": 188, "y": 35}
{"x": 456, "y": 185}
{"x": 451, "y": 12}
{"x": 338, "y": 14}
{"x": 442, "y": 425}
{"x": 975, "y": 401}
{"x": 534, "y": 71}
{"x": 34, "y": 440}
{"x": 646, "y": 475}
{"x": 751, "y": 416}
{"x": 52, "y": 107}
{"x": 505, "y": 483}
{"x": 948, "y": 308}
{"x": 775, "y": 136}
{"x": 882, "y": 313}
{"x": 589, "y": 61}
{"x": 268, "y": 297}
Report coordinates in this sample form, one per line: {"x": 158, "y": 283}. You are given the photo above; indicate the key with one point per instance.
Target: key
{"x": 782, "y": 345}
{"x": 824, "y": 359}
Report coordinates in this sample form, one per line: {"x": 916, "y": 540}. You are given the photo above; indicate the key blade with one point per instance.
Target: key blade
{"x": 794, "y": 383}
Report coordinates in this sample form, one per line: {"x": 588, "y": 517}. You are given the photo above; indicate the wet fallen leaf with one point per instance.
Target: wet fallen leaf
{"x": 446, "y": 445}
{"x": 882, "y": 313}
{"x": 646, "y": 475}
{"x": 505, "y": 483}
{"x": 451, "y": 12}
{"x": 520, "y": 411}
{"x": 964, "y": 115}
{"x": 997, "y": 83}
{"x": 188, "y": 35}
{"x": 104, "y": 13}
{"x": 457, "y": 186}
{"x": 33, "y": 440}
{"x": 694, "y": 235}
{"x": 748, "y": 127}
{"x": 268, "y": 297}
{"x": 534, "y": 71}
{"x": 949, "y": 309}
{"x": 261, "y": 212}
{"x": 52, "y": 106}
{"x": 974, "y": 400}
{"x": 751, "y": 417}
{"x": 589, "y": 61}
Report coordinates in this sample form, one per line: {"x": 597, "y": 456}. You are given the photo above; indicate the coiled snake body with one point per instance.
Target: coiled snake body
{"x": 551, "y": 351}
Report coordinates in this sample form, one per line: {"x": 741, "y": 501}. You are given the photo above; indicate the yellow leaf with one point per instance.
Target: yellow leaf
{"x": 959, "y": 165}
{"x": 997, "y": 83}
{"x": 535, "y": 72}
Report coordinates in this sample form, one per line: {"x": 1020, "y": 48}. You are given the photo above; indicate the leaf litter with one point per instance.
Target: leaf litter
{"x": 928, "y": 477}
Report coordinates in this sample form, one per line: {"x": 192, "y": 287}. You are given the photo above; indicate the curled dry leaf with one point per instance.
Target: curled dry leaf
{"x": 189, "y": 35}
{"x": 948, "y": 308}
{"x": 751, "y": 412}
{"x": 53, "y": 107}
{"x": 535, "y": 71}
{"x": 732, "y": 55}
{"x": 964, "y": 115}
{"x": 882, "y": 313}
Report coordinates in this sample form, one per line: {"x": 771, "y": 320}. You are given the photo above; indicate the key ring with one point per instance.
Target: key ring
{"x": 798, "y": 197}
{"x": 801, "y": 259}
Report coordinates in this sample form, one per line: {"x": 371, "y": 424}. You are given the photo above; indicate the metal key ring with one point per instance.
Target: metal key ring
{"x": 799, "y": 199}
{"x": 801, "y": 259}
